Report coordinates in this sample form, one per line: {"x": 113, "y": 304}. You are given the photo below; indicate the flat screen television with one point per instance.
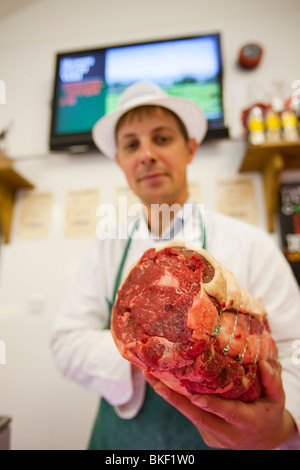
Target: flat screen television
{"x": 88, "y": 83}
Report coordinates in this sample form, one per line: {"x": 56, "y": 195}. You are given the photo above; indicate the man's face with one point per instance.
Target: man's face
{"x": 153, "y": 154}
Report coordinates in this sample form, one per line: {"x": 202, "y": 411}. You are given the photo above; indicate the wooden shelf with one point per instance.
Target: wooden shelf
{"x": 10, "y": 182}
{"x": 271, "y": 159}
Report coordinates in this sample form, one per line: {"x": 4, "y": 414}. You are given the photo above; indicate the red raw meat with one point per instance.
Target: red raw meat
{"x": 181, "y": 315}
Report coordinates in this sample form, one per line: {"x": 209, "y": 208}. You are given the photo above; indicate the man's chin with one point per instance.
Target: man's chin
{"x": 157, "y": 199}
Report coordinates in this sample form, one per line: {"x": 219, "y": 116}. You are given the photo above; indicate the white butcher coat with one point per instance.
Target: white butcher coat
{"x": 83, "y": 346}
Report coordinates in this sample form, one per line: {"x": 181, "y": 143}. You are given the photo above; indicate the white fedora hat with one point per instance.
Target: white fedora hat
{"x": 147, "y": 93}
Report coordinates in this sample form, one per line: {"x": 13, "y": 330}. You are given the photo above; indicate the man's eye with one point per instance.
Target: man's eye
{"x": 132, "y": 145}
{"x": 162, "y": 139}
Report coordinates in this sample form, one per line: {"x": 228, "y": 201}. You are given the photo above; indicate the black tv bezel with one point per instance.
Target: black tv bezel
{"x": 83, "y": 142}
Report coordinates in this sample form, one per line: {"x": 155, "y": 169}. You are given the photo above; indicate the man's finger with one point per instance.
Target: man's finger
{"x": 270, "y": 373}
{"x": 232, "y": 411}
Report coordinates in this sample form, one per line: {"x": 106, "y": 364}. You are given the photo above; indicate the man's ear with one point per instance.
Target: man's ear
{"x": 192, "y": 149}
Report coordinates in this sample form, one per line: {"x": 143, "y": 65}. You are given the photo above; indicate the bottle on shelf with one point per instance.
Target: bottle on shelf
{"x": 289, "y": 125}
{"x": 273, "y": 125}
{"x": 256, "y": 126}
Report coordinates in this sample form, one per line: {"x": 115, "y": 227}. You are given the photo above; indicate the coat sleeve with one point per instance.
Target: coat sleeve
{"x": 272, "y": 279}
{"x": 81, "y": 341}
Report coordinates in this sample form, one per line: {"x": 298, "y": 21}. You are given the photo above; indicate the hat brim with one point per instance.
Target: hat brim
{"x": 103, "y": 132}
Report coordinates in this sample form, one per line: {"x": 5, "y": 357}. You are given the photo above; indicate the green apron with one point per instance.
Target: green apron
{"x": 157, "y": 426}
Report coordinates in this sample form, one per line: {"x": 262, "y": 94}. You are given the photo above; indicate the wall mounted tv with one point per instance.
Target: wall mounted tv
{"x": 88, "y": 83}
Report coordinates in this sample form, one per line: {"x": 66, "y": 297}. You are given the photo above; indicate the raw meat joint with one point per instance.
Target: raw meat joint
{"x": 182, "y": 316}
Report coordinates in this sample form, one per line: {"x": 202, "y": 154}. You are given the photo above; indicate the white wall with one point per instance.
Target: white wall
{"x": 49, "y": 412}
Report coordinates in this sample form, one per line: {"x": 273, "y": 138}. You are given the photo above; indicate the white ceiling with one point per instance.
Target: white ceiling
{"x": 10, "y": 6}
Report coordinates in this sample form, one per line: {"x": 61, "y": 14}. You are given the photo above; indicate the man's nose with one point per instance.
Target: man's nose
{"x": 147, "y": 157}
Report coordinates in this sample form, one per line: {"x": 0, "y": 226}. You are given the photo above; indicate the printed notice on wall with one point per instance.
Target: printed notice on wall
{"x": 35, "y": 215}
{"x": 80, "y": 213}
{"x": 195, "y": 190}
{"x": 236, "y": 198}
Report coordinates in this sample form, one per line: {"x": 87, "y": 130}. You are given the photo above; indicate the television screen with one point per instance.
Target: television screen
{"x": 88, "y": 83}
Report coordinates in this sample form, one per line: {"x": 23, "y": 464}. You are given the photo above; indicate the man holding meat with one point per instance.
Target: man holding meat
{"x": 153, "y": 137}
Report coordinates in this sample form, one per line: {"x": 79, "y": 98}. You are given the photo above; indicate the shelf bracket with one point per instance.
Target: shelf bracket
{"x": 10, "y": 182}
{"x": 271, "y": 171}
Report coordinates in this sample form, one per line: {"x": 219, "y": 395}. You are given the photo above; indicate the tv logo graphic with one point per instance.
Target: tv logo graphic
{"x": 2, "y": 92}
{"x": 73, "y": 70}
{"x": 296, "y": 93}
{"x": 2, "y": 352}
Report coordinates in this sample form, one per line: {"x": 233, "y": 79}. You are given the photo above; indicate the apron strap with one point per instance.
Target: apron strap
{"x": 202, "y": 229}
{"x": 120, "y": 270}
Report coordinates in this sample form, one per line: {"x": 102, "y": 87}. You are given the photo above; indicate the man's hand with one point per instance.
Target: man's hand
{"x": 232, "y": 424}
